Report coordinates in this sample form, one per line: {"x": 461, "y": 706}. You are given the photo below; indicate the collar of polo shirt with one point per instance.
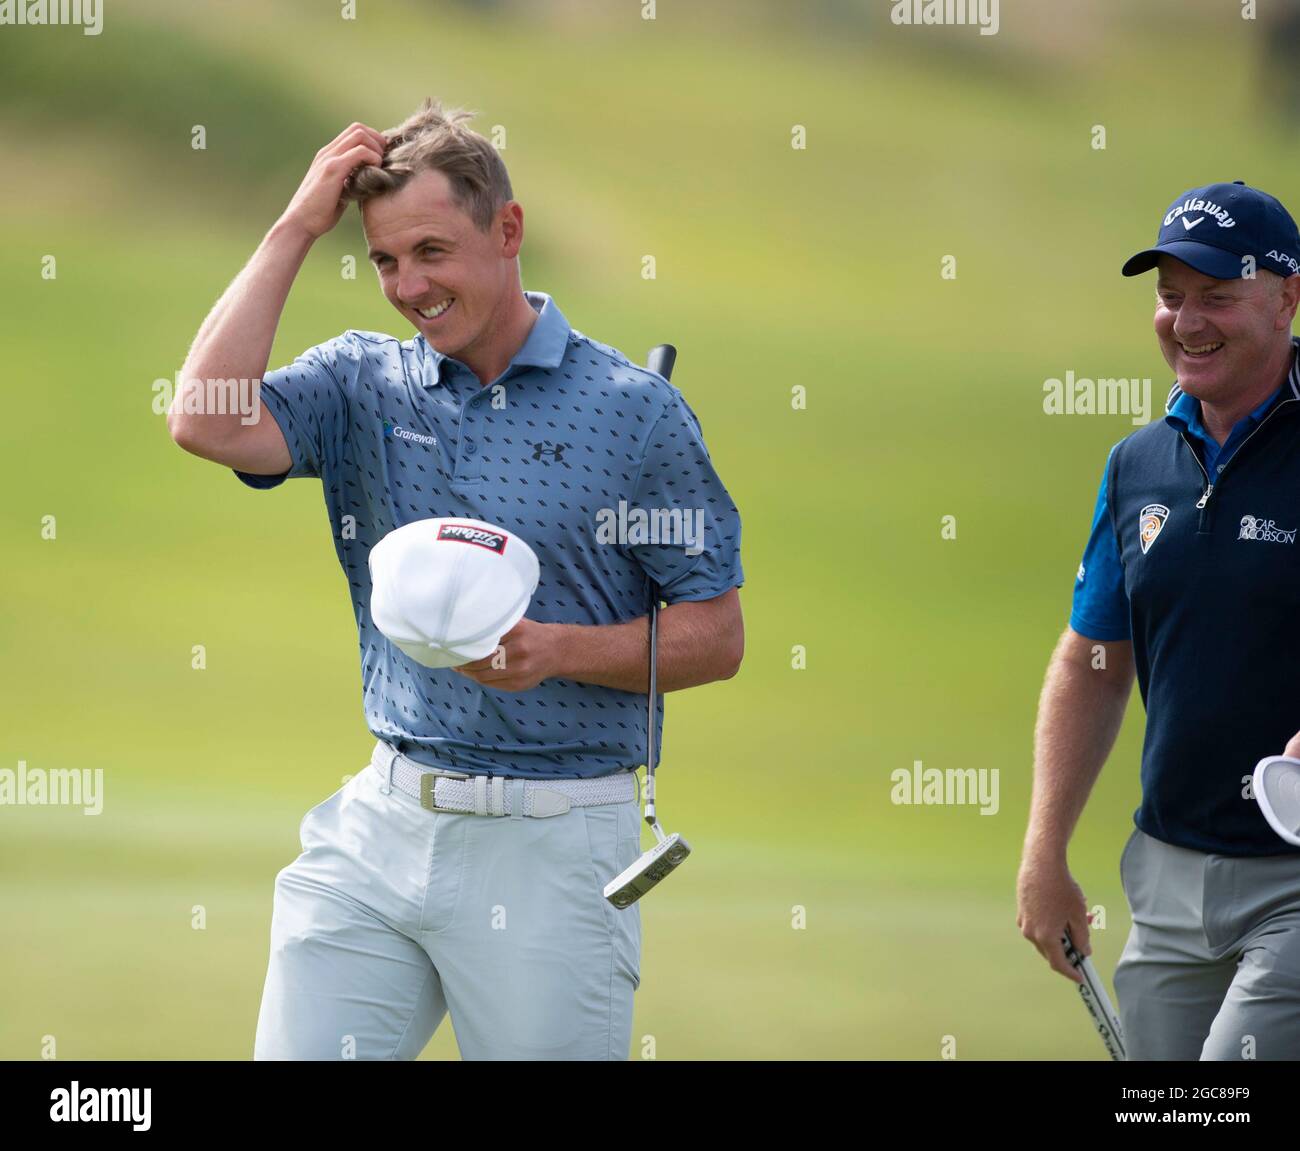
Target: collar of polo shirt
{"x": 544, "y": 347}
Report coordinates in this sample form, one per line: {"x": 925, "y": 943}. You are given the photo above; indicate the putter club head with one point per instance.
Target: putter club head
{"x": 1277, "y": 791}
{"x": 652, "y": 866}
{"x": 1093, "y": 993}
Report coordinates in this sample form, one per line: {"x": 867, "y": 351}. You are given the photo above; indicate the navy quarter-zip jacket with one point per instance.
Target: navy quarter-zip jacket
{"x": 1214, "y": 603}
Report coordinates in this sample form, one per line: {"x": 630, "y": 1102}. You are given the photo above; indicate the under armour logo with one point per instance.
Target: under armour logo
{"x": 547, "y": 451}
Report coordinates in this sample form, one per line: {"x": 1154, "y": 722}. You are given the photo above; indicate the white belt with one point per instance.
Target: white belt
{"x": 451, "y": 791}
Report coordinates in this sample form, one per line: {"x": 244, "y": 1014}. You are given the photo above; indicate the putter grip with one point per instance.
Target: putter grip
{"x": 1093, "y": 993}
{"x": 661, "y": 360}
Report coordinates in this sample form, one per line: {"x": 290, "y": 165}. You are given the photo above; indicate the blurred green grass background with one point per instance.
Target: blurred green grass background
{"x": 776, "y": 267}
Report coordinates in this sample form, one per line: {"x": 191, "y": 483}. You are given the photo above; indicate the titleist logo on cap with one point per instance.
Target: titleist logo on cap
{"x": 463, "y": 533}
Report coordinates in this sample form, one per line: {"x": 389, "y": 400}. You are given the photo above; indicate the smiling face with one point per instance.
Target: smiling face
{"x": 1219, "y": 335}
{"x": 435, "y": 267}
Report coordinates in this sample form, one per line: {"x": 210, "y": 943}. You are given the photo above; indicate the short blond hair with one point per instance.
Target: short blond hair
{"x": 441, "y": 140}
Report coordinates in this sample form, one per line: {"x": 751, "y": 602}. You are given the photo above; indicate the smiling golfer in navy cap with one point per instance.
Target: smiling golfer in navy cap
{"x": 1191, "y": 581}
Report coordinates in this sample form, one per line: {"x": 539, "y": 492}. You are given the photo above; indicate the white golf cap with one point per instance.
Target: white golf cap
{"x": 446, "y": 590}
{"x": 1277, "y": 791}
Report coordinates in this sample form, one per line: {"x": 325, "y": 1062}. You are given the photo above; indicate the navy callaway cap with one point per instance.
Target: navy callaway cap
{"x": 1213, "y": 228}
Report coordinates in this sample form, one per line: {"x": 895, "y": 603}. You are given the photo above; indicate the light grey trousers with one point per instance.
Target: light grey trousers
{"x": 394, "y": 916}
{"x": 1211, "y": 969}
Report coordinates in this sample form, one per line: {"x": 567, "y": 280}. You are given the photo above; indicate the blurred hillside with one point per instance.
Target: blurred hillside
{"x": 776, "y": 267}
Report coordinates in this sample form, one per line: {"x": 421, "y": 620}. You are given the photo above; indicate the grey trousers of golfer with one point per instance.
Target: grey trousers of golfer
{"x": 395, "y": 916}
{"x": 1211, "y": 969}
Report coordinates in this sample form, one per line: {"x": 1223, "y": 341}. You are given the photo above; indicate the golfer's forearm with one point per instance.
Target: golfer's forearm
{"x": 617, "y": 655}
{"x": 1079, "y": 716}
{"x": 234, "y": 342}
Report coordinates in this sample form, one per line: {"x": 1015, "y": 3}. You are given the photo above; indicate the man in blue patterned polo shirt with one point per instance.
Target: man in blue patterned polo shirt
{"x": 407, "y": 903}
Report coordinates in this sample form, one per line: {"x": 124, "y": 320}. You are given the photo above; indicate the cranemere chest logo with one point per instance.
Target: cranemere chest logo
{"x": 394, "y": 431}
{"x": 1254, "y": 528}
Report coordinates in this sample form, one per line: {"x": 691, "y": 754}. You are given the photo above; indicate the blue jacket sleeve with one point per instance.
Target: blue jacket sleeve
{"x": 1101, "y": 609}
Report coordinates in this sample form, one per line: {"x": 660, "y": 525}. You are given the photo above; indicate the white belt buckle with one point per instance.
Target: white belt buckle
{"x": 428, "y": 792}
